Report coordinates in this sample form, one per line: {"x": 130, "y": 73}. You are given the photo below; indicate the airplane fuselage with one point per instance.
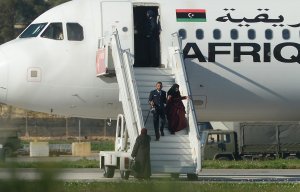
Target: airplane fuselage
{"x": 242, "y": 59}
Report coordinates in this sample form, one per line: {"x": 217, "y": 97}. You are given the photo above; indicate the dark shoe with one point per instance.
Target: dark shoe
{"x": 172, "y": 132}
{"x": 162, "y": 133}
{"x": 156, "y": 139}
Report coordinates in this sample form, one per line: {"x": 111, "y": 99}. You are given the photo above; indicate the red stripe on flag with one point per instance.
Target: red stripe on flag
{"x": 190, "y": 10}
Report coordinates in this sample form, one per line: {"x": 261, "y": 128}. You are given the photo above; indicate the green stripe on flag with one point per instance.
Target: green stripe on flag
{"x": 191, "y": 19}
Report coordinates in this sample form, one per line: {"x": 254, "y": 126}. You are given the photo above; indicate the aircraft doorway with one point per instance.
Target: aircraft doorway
{"x": 146, "y": 36}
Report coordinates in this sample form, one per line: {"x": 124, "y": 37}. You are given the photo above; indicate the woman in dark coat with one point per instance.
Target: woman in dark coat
{"x": 141, "y": 153}
{"x": 175, "y": 110}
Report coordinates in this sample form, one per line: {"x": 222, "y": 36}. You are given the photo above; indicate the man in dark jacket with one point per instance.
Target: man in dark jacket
{"x": 151, "y": 36}
{"x": 157, "y": 100}
{"x": 141, "y": 153}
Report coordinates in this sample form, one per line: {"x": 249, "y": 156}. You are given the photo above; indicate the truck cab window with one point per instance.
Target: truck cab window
{"x": 226, "y": 138}
{"x": 54, "y": 31}
{"x": 75, "y": 32}
{"x": 213, "y": 138}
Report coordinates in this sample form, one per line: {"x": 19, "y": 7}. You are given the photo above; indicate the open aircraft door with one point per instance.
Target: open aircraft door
{"x": 118, "y": 15}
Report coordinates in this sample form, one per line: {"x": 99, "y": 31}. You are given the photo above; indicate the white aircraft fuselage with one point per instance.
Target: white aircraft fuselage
{"x": 242, "y": 58}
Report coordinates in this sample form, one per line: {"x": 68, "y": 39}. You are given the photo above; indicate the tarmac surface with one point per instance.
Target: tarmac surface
{"x": 206, "y": 175}
{"x": 96, "y": 174}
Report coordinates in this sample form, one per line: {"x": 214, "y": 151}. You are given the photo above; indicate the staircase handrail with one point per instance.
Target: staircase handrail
{"x": 134, "y": 90}
{"x": 134, "y": 119}
{"x": 181, "y": 78}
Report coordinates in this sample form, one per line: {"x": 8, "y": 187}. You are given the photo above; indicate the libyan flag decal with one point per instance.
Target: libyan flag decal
{"x": 191, "y": 15}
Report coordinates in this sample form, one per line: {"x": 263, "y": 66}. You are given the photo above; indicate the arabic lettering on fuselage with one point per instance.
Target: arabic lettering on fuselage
{"x": 260, "y": 18}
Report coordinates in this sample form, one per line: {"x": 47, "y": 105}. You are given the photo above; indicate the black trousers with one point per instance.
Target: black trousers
{"x": 159, "y": 114}
{"x": 150, "y": 50}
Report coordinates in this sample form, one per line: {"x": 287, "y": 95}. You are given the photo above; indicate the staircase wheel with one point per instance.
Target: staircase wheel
{"x": 109, "y": 171}
{"x": 125, "y": 174}
{"x": 192, "y": 177}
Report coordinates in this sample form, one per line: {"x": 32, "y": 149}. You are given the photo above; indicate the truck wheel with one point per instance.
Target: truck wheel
{"x": 271, "y": 157}
{"x": 125, "y": 174}
{"x": 291, "y": 157}
{"x": 223, "y": 158}
{"x": 192, "y": 177}
{"x": 109, "y": 171}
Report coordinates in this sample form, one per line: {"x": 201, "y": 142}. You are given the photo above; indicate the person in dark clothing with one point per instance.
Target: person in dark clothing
{"x": 157, "y": 101}
{"x": 151, "y": 36}
{"x": 175, "y": 110}
{"x": 141, "y": 153}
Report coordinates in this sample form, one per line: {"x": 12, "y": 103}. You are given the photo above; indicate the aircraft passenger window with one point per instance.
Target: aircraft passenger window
{"x": 217, "y": 34}
{"x": 54, "y": 31}
{"x": 234, "y": 34}
{"x": 251, "y": 34}
{"x": 182, "y": 33}
{"x": 199, "y": 34}
{"x": 269, "y": 34}
{"x": 75, "y": 32}
{"x": 33, "y": 30}
{"x": 286, "y": 34}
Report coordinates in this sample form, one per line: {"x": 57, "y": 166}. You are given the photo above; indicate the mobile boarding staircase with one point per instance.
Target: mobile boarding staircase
{"x": 174, "y": 154}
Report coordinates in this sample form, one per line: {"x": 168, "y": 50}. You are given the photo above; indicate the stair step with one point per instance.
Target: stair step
{"x": 170, "y": 151}
{"x": 172, "y": 163}
{"x": 148, "y": 89}
{"x": 163, "y": 78}
{"x": 145, "y": 95}
{"x": 171, "y": 157}
{"x": 170, "y": 145}
{"x": 151, "y": 132}
{"x": 152, "y": 71}
{"x": 145, "y": 107}
{"x": 170, "y": 169}
{"x": 152, "y": 83}
{"x": 173, "y": 138}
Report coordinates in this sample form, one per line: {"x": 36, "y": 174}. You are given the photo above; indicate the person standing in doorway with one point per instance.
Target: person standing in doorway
{"x": 157, "y": 101}
{"x": 151, "y": 36}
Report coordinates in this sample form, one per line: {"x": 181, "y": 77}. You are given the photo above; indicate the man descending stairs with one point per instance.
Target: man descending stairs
{"x": 172, "y": 153}
{"x": 157, "y": 101}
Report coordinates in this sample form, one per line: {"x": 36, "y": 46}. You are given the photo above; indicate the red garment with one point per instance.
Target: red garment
{"x": 176, "y": 114}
